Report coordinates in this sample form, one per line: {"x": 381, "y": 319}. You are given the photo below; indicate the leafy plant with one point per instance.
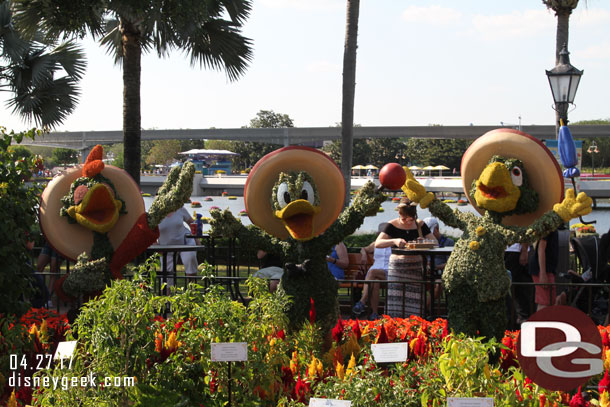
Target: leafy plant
{"x": 18, "y": 201}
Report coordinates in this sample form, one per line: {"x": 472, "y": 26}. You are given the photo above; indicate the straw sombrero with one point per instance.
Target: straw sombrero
{"x": 72, "y": 239}
{"x": 542, "y": 169}
{"x": 327, "y": 177}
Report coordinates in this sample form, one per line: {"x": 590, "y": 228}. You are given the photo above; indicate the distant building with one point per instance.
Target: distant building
{"x": 210, "y": 161}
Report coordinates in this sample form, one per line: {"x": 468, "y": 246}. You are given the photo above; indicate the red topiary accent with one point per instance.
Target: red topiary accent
{"x": 137, "y": 240}
{"x": 94, "y": 164}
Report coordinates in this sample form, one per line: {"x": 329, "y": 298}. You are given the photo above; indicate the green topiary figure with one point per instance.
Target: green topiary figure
{"x": 514, "y": 191}
{"x": 293, "y": 196}
{"x": 96, "y": 214}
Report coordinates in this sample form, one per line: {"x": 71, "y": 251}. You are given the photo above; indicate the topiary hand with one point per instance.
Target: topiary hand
{"x": 572, "y": 207}
{"x": 368, "y": 199}
{"x": 173, "y": 194}
{"x": 416, "y": 191}
{"x": 224, "y": 224}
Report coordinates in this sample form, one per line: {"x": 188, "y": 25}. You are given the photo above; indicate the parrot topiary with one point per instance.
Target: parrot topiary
{"x": 515, "y": 182}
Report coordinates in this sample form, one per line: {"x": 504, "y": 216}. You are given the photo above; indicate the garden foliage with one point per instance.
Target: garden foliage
{"x": 18, "y": 210}
{"x": 123, "y": 334}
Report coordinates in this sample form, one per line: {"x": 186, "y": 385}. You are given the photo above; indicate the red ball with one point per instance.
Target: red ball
{"x": 392, "y": 176}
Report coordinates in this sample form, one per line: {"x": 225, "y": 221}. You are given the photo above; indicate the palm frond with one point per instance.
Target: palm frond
{"x": 217, "y": 44}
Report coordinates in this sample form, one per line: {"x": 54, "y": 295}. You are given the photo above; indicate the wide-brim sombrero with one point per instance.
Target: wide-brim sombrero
{"x": 541, "y": 167}
{"x": 72, "y": 239}
{"x": 263, "y": 176}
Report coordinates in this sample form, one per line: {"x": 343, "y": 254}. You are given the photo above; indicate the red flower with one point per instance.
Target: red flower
{"x": 605, "y": 339}
{"x": 280, "y": 335}
{"x": 542, "y": 398}
{"x": 312, "y": 311}
{"x": 578, "y": 400}
{"x": 604, "y": 384}
{"x": 378, "y": 398}
{"x": 383, "y": 336}
{"x": 356, "y": 328}
{"x": 337, "y": 331}
{"x": 300, "y": 390}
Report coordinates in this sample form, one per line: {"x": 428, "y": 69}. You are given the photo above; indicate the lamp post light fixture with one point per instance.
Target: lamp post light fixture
{"x": 593, "y": 150}
{"x": 564, "y": 79}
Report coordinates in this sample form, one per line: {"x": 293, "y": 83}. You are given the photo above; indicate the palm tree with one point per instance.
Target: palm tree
{"x": 42, "y": 76}
{"x": 563, "y": 9}
{"x": 208, "y": 30}
{"x": 349, "y": 91}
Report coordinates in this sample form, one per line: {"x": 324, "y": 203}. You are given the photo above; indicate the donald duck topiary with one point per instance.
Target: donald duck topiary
{"x": 514, "y": 181}
{"x": 95, "y": 215}
{"x": 294, "y": 198}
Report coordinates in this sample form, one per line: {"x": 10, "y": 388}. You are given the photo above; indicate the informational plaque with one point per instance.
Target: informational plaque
{"x": 65, "y": 350}
{"x": 390, "y": 352}
{"x": 314, "y": 402}
{"x": 470, "y": 402}
{"x": 229, "y": 352}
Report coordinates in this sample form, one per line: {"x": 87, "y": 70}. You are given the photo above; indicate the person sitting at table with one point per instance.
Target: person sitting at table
{"x": 338, "y": 260}
{"x": 271, "y": 269}
{"x": 172, "y": 231}
{"x": 396, "y": 234}
{"x": 443, "y": 241}
{"x": 437, "y": 263}
{"x": 377, "y": 271}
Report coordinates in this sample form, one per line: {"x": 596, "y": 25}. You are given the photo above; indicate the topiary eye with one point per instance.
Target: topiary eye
{"x": 517, "y": 176}
{"x": 283, "y": 196}
{"x": 307, "y": 192}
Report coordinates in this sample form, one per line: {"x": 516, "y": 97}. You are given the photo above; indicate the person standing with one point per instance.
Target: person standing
{"x": 515, "y": 259}
{"x": 172, "y": 231}
{"x": 542, "y": 267}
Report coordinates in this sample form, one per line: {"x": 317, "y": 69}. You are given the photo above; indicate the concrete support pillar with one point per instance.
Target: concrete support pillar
{"x": 197, "y": 190}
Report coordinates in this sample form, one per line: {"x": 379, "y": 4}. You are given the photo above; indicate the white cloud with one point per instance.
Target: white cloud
{"x": 306, "y": 5}
{"x": 596, "y": 51}
{"x": 582, "y": 17}
{"x": 322, "y": 67}
{"x": 518, "y": 24}
{"x": 431, "y": 15}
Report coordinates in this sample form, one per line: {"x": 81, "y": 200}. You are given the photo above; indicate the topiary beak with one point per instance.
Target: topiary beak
{"x": 297, "y": 217}
{"x": 495, "y": 190}
{"x": 98, "y": 211}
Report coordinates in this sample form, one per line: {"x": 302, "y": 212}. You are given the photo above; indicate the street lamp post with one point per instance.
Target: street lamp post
{"x": 593, "y": 150}
{"x": 564, "y": 79}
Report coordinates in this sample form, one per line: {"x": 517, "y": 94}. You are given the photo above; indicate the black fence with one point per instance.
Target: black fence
{"x": 232, "y": 266}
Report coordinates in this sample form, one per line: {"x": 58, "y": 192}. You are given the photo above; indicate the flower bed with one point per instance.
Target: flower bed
{"x": 121, "y": 334}
{"x": 195, "y": 204}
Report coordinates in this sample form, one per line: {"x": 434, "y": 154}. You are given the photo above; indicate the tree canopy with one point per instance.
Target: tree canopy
{"x": 208, "y": 31}
{"x": 41, "y": 74}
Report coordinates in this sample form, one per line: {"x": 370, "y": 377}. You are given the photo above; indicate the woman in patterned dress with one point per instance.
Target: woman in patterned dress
{"x": 404, "y": 299}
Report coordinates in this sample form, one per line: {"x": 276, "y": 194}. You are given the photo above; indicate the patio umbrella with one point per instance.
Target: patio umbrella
{"x": 359, "y": 168}
{"x": 569, "y": 159}
{"x": 414, "y": 167}
{"x": 370, "y": 167}
{"x": 429, "y": 168}
{"x": 440, "y": 169}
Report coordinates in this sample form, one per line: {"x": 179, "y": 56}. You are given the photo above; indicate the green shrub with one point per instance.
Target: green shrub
{"x": 18, "y": 215}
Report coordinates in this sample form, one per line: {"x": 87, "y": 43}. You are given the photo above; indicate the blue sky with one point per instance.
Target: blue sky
{"x": 419, "y": 62}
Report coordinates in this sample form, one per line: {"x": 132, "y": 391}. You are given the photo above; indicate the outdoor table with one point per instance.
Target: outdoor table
{"x": 175, "y": 249}
{"x": 436, "y": 251}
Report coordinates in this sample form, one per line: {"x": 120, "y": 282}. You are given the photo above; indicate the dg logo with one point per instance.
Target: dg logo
{"x": 560, "y": 348}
